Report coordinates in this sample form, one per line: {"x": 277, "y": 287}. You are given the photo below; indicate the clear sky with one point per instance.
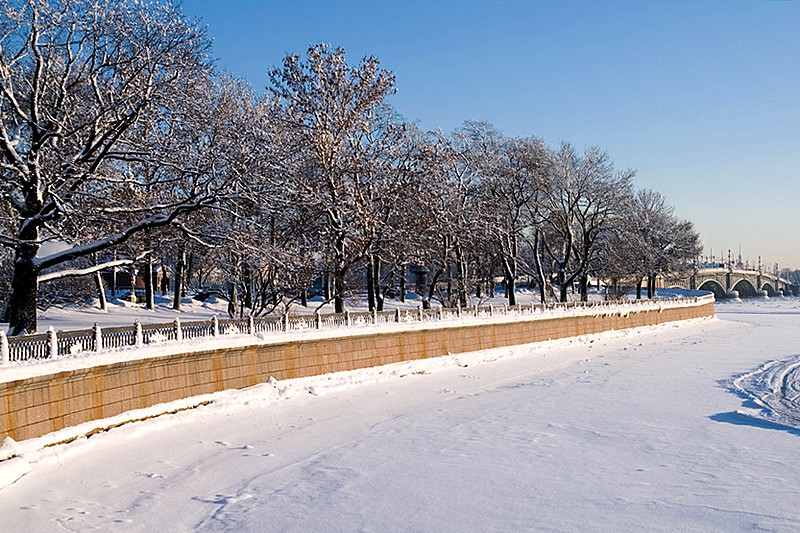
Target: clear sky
{"x": 701, "y": 97}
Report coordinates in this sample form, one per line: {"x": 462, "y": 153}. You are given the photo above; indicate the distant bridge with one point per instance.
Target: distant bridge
{"x": 730, "y": 282}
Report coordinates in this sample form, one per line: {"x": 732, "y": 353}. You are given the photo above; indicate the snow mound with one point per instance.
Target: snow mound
{"x": 775, "y": 388}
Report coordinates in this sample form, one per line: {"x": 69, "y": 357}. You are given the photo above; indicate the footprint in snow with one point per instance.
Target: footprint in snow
{"x": 151, "y": 475}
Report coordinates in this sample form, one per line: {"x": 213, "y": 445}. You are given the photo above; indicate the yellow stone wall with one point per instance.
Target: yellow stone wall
{"x": 39, "y": 405}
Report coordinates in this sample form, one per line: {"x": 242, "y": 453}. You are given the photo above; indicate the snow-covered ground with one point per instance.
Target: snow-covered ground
{"x": 660, "y": 429}
{"x": 125, "y": 313}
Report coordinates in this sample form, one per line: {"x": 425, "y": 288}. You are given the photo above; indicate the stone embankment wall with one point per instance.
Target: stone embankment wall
{"x": 39, "y": 405}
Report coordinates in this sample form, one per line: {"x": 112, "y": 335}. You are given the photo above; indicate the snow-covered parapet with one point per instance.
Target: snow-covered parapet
{"x": 4, "y": 355}
{"x": 35, "y": 349}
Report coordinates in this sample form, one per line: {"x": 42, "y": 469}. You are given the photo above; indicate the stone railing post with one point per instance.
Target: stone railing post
{"x": 375, "y": 316}
{"x": 97, "y": 343}
{"x": 139, "y": 336}
{"x": 397, "y": 315}
{"x": 347, "y": 319}
{"x": 215, "y": 326}
{"x": 53, "y": 342}
{"x": 178, "y": 331}
{"x": 419, "y": 313}
{"x": 286, "y": 322}
{"x": 318, "y": 318}
{"x": 4, "y": 352}
{"x": 491, "y": 310}
{"x": 251, "y": 325}
{"x": 440, "y": 313}
{"x": 458, "y": 310}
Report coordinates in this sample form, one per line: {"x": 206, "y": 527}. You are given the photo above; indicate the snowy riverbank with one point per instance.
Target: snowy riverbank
{"x": 634, "y": 430}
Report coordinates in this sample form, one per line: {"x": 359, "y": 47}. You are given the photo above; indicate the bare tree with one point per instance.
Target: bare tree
{"x": 650, "y": 240}
{"x": 601, "y": 198}
{"x": 111, "y": 124}
{"x": 511, "y": 173}
{"x": 454, "y": 230}
{"x": 582, "y": 196}
{"x": 329, "y": 106}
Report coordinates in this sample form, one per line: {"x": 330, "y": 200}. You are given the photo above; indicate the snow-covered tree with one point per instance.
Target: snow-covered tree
{"x": 581, "y": 197}
{"x": 648, "y": 241}
{"x": 331, "y": 107}
{"x": 511, "y": 182}
{"x": 108, "y": 116}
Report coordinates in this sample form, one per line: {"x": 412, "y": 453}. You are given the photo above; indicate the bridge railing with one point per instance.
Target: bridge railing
{"x": 52, "y": 345}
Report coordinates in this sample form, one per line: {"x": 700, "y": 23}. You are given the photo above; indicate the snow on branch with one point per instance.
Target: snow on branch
{"x": 154, "y": 221}
{"x": 75, "y": 272}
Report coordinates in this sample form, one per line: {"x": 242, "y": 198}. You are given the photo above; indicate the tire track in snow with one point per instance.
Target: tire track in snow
{"x": 775, "y": 387}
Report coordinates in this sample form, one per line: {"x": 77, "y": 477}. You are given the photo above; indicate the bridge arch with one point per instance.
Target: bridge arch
{"x": 745, "y": 288}
{"x": 767, "y": 286}
{"x": 715, "y": 287}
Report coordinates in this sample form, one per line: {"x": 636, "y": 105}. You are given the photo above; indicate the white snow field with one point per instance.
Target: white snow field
{"x": 668, "y": 428}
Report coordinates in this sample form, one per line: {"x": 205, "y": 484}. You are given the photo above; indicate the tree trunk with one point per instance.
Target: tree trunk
{"x": 426, "y": 301}
{"x": 247, "y": 284}
{"x": 188, "y": 272}
{"x": 271, "y": 290}
{"x": 651, "y": 286}
{"x": 463, "y": 271}
{"x": 148, "y": 284}
{"x": 584, "y": 287}
{"x": 370, "y": 284}
{"x": 639, "y": 289}
{"x": 101, "y": 291}
{"x": 510, "y": 274}
{"x": 339, "y": 273}
{"x": 614, "y": 286}
{"x": 403, "y": 283}
{"x": 376, "y": 280}
{"x": 539, "y": 268}
{"x": 326, "y": 285}
{"x": 133, "y": 285}
{"x": 21, "y": 310}
{"x": 164, "y": 288}
{"x": 339, "y": 287}
{"x": 179, "y": 267}
{"x": 511, "y": 288}
{"x": 233, "y": 299}
{"x": 114, "y": 271}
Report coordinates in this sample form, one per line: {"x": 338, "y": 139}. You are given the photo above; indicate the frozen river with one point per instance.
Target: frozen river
{"x": 677, "y": 427}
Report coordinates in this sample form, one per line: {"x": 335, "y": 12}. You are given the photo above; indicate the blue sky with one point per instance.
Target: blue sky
{"x": 702, "y": 97}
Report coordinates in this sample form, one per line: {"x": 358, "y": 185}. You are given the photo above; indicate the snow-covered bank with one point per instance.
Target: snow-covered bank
{"x": 625, "y": 431}
{"x": 87, "y": 359}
